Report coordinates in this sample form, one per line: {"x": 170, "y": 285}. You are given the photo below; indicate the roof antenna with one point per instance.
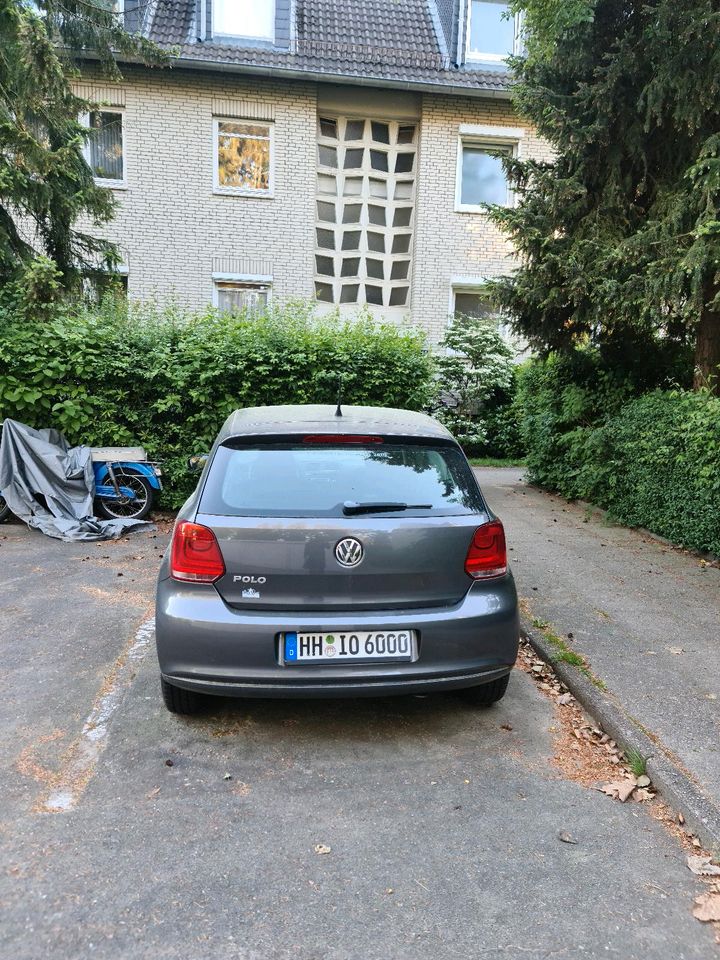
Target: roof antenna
{"x": 338, "y": 411}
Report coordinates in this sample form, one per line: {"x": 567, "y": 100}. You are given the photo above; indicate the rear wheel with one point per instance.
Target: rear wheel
{"x": 487, "y": 693}
{"x": 182, "y": 701}
{"x": 136, "y": 507}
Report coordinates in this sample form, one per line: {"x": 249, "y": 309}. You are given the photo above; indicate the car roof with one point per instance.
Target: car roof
{"x": 321, "y": 418}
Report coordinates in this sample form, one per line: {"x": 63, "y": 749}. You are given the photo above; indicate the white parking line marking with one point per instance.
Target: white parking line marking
{"x": 79, "y": 765}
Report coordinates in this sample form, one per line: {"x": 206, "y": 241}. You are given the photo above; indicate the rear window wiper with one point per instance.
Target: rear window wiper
{"x": 351, "y": 508}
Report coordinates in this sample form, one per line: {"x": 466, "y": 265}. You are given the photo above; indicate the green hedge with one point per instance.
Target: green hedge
{"x": 652, "y": 460}
{"x": 658, "y": 466}
{"x": 168, "y": 380}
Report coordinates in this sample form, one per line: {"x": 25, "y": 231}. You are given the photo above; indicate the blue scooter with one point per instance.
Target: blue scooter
{"x": 126, "y": 483}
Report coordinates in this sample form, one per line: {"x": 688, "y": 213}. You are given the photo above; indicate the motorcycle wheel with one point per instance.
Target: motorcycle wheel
{"x": 124, "y": 508}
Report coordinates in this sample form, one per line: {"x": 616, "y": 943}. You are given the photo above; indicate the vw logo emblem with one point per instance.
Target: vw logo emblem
{"x": 349, "y": 552}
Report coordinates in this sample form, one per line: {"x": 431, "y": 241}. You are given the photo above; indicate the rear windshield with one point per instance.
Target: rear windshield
{"x": 317, "y": 480}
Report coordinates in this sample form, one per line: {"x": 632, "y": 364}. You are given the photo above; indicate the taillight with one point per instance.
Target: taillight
{"x": 487, "y": 556}
{"x": 195, "y": 554}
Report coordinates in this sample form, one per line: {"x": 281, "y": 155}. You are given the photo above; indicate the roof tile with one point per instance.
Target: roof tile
{"x": 391, "y": 40}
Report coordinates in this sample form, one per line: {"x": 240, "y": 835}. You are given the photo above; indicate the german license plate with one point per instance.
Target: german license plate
{"x": 336, "y": 647}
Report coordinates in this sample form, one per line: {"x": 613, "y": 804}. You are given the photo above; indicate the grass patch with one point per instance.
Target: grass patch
{"x": 563, "y": 654}
{"x": 495, "y": 462}
{"x": 637, "y": 762}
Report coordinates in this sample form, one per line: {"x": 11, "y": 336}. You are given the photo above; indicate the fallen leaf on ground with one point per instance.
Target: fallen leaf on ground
{"x": 643, "y": 780}
{"x": 641, "y": 795}
{"x": 153, "y": 793}
{"x": 708, "y": 907}
{"x": 564, "y": 699}
{"x": 702, "y": 867}
{"x": 619, "y": 789}
{"x": 321, "y": 848}
{"x": 676, "y": 651}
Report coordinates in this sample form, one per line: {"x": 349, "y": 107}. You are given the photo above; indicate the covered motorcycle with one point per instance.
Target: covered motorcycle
{"x": 52, "y": 487}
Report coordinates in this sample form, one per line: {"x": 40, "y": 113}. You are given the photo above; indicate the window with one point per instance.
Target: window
{"x": 100, "y": 284}
{"x": 254, "y": 19}
{"x": 481, "y": 178}
{"x": 243, "y": 158}
{"x": 234, "y": 296}
{"x": 104, "y": 147}
{"x": 272, "y": 479}
{"x": 492, "y": 32}
{"x": 474, "y": 303}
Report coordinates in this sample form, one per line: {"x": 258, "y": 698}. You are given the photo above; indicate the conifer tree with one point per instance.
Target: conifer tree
{"x": 619, "y": 236}
{"x": 45, "y": 183}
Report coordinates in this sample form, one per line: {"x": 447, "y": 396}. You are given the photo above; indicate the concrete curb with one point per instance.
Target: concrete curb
{"x": 701, "y": 814}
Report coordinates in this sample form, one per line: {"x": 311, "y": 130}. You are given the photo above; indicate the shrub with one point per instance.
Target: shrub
{"x": 656, "y": 464}
{"x": 167, "y": 380}
{"x": 504, "y": 435}
{"x": 651, "y": 460}
{"x": 475, "y": 385}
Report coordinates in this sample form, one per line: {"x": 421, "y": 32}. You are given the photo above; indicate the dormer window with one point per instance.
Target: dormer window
{"x": 492, "y": 31}
{"x": 248, "y": 19}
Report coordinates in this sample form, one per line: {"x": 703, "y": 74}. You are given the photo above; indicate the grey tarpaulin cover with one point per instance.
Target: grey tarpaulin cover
{"x": 42, "y": 462}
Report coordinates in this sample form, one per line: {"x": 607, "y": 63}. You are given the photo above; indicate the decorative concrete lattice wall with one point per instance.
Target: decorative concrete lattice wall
{"x": 364, "y": 211}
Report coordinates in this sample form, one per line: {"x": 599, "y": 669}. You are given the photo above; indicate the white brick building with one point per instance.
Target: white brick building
{"x": 337, "y": 150}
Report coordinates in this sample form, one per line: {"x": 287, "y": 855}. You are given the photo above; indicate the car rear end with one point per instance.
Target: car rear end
{"x": 313, "y": 564}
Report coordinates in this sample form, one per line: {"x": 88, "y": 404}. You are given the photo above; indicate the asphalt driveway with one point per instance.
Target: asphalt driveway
{"x": 127, "y": 832}
{"x": 645, "y": 615}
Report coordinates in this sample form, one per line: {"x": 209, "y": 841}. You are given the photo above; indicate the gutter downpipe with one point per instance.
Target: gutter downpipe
{"x": 202, "y": 26}
{"x": 462, "y": 27}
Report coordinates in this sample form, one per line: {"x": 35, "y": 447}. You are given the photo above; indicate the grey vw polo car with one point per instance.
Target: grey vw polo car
{"x": 327, "y": 555}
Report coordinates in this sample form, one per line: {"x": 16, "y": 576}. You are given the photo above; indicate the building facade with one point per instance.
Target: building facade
{"x": 340, "y": 151}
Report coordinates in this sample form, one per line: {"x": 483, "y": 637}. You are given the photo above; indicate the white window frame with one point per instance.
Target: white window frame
{"x": 106, "y": 181}
{"x": 260, "y": 280}
{"x": 243, "y": 191}
{"x": 481, "y": 135}
{"x": 479, "y": 56}
{"x": 473, "y": 285}
{"x": 244, "y": 36}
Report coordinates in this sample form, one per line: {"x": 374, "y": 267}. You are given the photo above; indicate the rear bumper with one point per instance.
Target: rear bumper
{"x": 206, "y": 646}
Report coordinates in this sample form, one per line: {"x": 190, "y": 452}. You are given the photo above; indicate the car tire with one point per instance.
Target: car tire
{"x": 486, "y": 694}
{"x": 181, "y": 701}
